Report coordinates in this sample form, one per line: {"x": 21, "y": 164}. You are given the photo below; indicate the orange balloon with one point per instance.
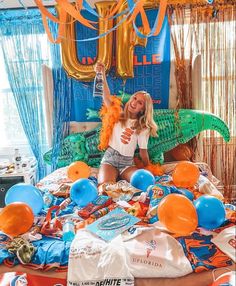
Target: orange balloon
{"x": 178, "y": 214}
{"x": 185, "y": 175}
{"x": 16, "y": 218}
{"x": 78, "y": 170}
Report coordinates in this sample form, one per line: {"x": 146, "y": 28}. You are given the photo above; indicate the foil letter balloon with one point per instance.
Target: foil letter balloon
{"x": 70, "y": 61}
{"x": 126, "y": 40}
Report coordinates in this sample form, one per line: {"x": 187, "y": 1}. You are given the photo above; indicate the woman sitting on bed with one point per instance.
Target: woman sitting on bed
{"x": 133, "y": 129}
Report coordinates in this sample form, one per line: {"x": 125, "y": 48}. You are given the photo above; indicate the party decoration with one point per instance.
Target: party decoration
{"x": 70, "y": 61}
{"x": 127, "y": 37}
{"x": 78, "y": 170}
{"x": 174, "y": 127}
{"x": 83, "y": 192}
{"x": 156, "y": 193}
{"x": 210, "y": 211}
{"x": 110, "y": 116}
{"x": 185, "y": 174}
{"x": 16, "y": 218}
{"x": 187, "y": 193}
{"x": 178, "y": 214}
{"x": 132, "y": 10}
{"x": 126, "y": 40}
{"x": 142, "y": 179}
{"x": 27, "y": 194}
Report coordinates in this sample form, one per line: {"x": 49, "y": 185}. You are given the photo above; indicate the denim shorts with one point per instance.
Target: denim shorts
{"x": 115, "y": 159}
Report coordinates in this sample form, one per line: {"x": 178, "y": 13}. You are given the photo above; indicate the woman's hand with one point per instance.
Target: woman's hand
{"x": 144, "y": 156}
{"x": 99, "y": 68}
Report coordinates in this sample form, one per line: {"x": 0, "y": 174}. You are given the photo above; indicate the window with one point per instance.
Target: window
{"x": 11, "y": 130}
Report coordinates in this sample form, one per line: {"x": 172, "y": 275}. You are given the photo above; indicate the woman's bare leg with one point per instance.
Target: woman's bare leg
{"x": 107, "y": 173}
{"x": 126, "y": 175}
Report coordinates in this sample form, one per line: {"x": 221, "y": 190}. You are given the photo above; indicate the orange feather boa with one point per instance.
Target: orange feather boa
{"x": 109, "y": 116}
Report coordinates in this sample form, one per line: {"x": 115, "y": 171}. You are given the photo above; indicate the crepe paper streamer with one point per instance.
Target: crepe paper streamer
{"x": 158, "y": 22}
{"x": 62, "y": 22}
{"x": 108, "y": 32}
{"x": 61, "y": 28}
{"x": 132, "y": 12}
{"x": 75, "y": 13}
{"x": 111, "y": 15}
{"x": 174, "y": 127}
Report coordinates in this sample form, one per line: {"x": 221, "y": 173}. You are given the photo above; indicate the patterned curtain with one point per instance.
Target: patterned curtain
{"x": 209, "y": 30}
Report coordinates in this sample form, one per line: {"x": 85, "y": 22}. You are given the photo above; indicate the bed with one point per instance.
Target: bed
{"x": 198, "y": 249}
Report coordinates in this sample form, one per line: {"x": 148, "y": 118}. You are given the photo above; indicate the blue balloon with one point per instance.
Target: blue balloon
{"x": 142, "y": 179}
{"x": 83, "y": 191}
{"x": 210, "y": 211}
{"x": 187, "y": 193}
{"x": 25, "y": 193}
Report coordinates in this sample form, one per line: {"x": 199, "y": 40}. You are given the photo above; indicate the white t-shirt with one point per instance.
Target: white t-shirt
{"x": 125, "y": 139}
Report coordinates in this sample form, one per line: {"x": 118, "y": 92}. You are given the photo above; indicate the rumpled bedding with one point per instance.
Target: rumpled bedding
{"x": 196, "y": 252}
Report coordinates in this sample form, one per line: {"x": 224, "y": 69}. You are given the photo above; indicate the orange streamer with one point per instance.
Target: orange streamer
{"x": 69, "y": 8}
{"x": 161, "y": 16}
{"x": 146, "y": 27}
{"x": 61, "y": 29}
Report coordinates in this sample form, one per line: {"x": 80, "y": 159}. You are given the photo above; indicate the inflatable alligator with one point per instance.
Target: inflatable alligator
{"x": 174, "y": 127}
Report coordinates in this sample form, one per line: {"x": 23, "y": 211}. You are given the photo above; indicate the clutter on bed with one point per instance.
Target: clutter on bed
{"x": 168, "y": 229}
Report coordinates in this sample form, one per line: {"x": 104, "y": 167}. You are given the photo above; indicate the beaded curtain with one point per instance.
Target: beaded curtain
{"x": 209, "y": 30}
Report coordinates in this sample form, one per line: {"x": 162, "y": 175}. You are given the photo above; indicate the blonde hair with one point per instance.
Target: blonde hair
{"x": 145, "y": 119}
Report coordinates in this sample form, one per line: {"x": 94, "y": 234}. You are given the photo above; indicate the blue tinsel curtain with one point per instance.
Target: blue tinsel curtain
{"x": 62, "y": 99}
{"x": 21, "y": 33}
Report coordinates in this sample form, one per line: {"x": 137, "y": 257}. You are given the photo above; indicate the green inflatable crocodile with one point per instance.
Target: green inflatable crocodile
{"x": 174, "y": 127}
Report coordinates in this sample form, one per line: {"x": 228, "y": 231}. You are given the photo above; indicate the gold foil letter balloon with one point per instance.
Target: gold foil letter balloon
{"x": 70, "y": 61}
{"x": 126, "y": 40}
